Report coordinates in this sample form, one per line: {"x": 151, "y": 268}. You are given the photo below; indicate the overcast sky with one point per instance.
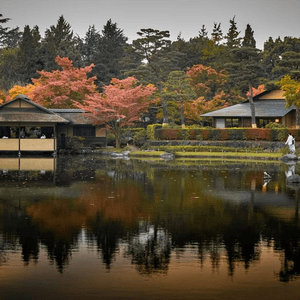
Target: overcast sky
{"x": 267, "y": 17}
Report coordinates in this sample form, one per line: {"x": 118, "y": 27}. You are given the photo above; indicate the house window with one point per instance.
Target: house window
{"x": 263, "y": 122}
{"x": 232, "y": 122}
{"x": 84, "y": 130}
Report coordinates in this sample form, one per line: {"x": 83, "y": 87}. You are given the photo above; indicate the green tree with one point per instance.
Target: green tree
{"x": 8, "y": 68}
{"x": 28, "y": 57}
{"x": 89, "y": 46}
{"x": 60, "y": 40}
{"x": 178, "y": 89}
{"x": 217, "y": 34}
{"x": 246, "y": 69}
{"x": 110, "y": 51}
{"x": 291, "y": 88}
{"x": 203, "y": 33}
{"x": 9, "y": 38}
{"x": 281, "y": 57}
{"x": 232, "y": 36}
{"x": 249, "y": 40}
{"x": 157, "y": 60}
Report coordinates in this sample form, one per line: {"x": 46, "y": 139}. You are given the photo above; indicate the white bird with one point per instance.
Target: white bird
{"x": 266, "y": 175}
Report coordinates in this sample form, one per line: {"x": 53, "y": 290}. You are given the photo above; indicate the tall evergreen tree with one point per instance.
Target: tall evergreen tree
{"x": 288, "y": 63}
{"x": 9, "y": 38}
{"x": 248, "y": 40}
{"x": 89, "y": 47}
{"x": 59, "y": 40}
{"x": 178, "y": 90}
{"x": 232, "y": 36}
{"x": 246, "y": 69}
{"x": 110, "y": 51}
{"x": 203, "y": 33}
{"x": 29, "y": 55}
{"x": 157, "y": 60}
{"x": 217, "y": 34}
{"x": 8, "y": 68}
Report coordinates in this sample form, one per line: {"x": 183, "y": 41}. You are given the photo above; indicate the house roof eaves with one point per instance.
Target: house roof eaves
{"x": 263, "y": 108}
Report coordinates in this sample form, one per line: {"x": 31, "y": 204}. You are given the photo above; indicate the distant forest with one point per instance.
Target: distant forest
{"x": 150, "y": 58}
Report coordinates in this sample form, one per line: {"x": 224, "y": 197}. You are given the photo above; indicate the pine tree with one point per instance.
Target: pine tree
{"x": 28, "y": 55}
{"x": 59, "y": 40}
{"x": 110, "y": 51}
{"x": 9, "y": 38}
{"x": 288, "y": 62}
{"x": 178, "y": 90}
{"x": 217, "y": 34}
{"x": 89, "y": 47}
{"x": 232, "y": 36}
{"x": 203, "y": 34}
{"x": 249, "y": 40}
{"x": 157, "y": 60}
{"x": 246, "y": 68}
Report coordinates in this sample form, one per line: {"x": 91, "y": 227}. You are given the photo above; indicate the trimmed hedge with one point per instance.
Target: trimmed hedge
{"x": 157, "y": 132}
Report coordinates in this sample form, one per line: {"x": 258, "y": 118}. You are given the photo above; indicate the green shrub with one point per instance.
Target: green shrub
{"x": 152, "y": 131}
{"x": 111, "y": 139}
{"x": 140, "y": 137}
{"x": 273, "y": 125}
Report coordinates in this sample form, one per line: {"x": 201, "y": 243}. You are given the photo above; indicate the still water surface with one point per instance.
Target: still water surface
{"x": 86, "y": 227}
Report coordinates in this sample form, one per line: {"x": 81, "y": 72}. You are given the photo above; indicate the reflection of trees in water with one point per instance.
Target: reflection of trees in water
{"x": 241, "y": 244}
{"x": 150, "y": 249}
{"x": 177, "y": 211}
{"x": 106, "y": 235}
{"x": 17, "y": 230}
{"x": 285, "y": 239}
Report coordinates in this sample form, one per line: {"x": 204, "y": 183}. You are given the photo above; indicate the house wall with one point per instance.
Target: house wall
{"x": 289, "y": 120}
{"x": 37, "y": 144}
{"x": 65, "y": 129}
{"x": 100, "y": 131}
{"x": 19, "y": 104}
{"x": 220, "y": 123}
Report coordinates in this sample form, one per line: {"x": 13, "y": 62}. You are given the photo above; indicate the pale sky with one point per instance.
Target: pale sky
{"x": 267, "y": 17}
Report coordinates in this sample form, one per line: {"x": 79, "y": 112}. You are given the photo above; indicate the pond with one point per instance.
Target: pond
{"x": 88, "y": 227}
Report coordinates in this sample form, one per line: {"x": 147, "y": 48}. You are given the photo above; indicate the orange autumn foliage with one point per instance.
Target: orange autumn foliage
{"x": 61, "y": 89}
{"x": 256, "y": 91}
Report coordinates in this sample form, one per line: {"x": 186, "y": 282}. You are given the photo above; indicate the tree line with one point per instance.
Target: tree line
{"x": 222, "y": 68}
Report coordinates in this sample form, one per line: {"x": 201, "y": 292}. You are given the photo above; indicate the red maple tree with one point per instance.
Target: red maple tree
{"x": 121, "y": 104}
{"x": 63, "y": 88}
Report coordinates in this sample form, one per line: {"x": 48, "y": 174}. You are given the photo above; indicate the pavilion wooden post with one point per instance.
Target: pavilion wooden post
{"x": 54, "y": 140}
{"x": 19, "y": 154}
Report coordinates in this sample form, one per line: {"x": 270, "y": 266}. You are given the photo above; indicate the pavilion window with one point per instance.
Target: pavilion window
{"x": 5, "y": 132}
{"x": 31, "y": 132}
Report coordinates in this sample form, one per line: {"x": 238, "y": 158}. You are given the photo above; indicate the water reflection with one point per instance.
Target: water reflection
{"x": 221, "y": 214}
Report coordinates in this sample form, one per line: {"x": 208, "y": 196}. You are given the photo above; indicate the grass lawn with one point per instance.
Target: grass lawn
{"x": 274, "y": 156}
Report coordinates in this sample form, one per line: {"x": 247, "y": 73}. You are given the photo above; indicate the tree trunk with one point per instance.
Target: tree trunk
{"x": 182, "y": 115}
{"x": 165, "y": 112}
{"x": 252, "y": 107}
{"x": 164, "y": 106}
{"x": 117, "y": 134}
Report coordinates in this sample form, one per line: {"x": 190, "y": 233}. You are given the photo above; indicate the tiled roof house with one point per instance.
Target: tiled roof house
{"x": 269, "y": 107}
